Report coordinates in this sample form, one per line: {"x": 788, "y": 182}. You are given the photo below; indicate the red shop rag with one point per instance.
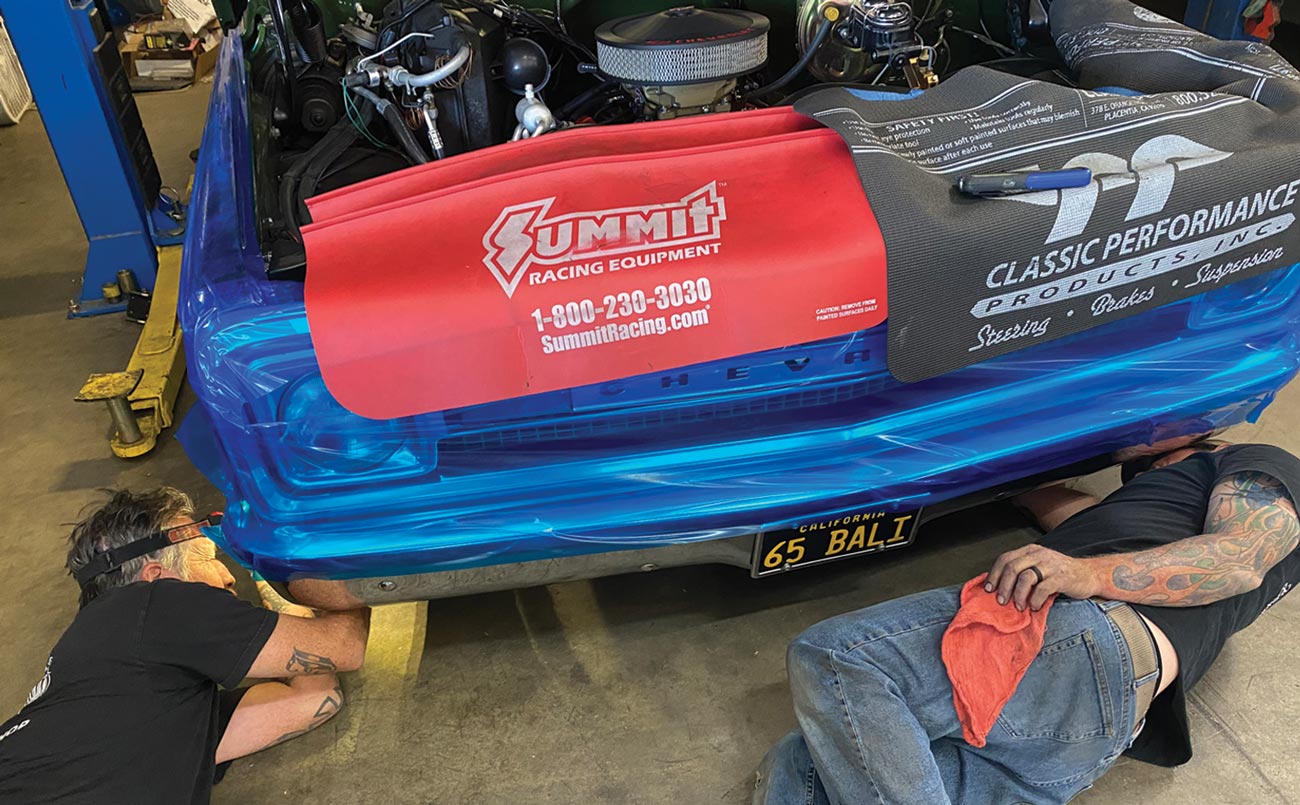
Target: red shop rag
{"x": 986, "y": 650}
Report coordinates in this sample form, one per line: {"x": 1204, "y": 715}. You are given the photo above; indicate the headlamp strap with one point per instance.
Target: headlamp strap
{"x": 114, "y": 558}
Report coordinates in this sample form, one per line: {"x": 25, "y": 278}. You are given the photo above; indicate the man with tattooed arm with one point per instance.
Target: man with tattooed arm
{"x": 129, "y": 707}
{"x": 1144, "y": 587}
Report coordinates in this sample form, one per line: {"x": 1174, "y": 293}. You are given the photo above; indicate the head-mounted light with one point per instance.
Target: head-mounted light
{"x": 113, "y": 558}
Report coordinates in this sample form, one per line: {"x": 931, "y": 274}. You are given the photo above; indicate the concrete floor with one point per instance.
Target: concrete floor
{"x": 663, "y": 688}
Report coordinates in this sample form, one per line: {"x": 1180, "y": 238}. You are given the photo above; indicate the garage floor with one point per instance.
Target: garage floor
{"x": 663, "y": 688}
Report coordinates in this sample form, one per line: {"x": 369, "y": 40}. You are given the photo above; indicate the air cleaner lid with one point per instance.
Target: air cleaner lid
{"x": 685, "y": 26}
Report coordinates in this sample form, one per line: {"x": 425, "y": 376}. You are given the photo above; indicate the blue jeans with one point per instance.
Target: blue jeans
{"x": 877, "y": 722}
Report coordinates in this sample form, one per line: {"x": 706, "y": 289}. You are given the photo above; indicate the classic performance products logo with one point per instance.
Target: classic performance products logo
{"x": 1118, "y": 268}
{"x": 1151, "y": 170}
{"x": 525, "y": 235}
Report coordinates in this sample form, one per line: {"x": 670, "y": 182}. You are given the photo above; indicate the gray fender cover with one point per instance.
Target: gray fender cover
{"x": 1195, "y": 185}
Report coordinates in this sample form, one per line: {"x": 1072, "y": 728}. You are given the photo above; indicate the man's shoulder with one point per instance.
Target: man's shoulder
{"x": 1258, "y": 450}
{"x": 129, "y": 596}
{"x": 1266, "y": 458}
{"x": 175, "y": 594}
{"x": 162, "y": 595}
{"x": 182, "y": 587}
{"x": 122, "y": 607}
{"x": 143, "y": 592}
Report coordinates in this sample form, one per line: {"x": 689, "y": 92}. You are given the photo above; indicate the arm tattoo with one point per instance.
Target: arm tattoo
{"x": 328, "y": 707}
{"x": 304, "y": 662}
{"x": 273, "y": 601}
{"x": 1250, "y": 526}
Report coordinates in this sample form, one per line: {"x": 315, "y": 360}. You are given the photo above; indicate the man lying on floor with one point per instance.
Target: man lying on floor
{"x": 1112, "y": 618}
{"x": 128, "y": 709}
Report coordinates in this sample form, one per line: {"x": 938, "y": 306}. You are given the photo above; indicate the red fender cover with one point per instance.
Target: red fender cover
{"x": 687, "y": 132}
{"x": 560, "y": 268}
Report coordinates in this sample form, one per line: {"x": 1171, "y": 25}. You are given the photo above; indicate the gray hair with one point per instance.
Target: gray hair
{"x": 127, "y": 517}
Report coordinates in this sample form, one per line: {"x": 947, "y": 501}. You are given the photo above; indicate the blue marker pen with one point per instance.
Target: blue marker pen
{"x": 988, "y": 185}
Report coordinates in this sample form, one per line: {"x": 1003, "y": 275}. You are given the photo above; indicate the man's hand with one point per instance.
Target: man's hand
{"x": 1250, "y": 526}
{"x": 277, "y": 603}
{"x": 1014, "y": 579}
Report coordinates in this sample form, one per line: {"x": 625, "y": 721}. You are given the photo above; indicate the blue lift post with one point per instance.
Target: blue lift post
{"x": 86, "y": 106}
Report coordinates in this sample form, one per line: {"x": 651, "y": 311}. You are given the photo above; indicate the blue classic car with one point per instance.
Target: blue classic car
{"x": 770, "y": 461}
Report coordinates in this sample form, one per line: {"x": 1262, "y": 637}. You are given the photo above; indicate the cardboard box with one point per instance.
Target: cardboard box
{"x": 166, "y": 50}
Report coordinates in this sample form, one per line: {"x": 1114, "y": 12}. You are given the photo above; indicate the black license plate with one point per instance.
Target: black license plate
{"x": 821, "y": 541}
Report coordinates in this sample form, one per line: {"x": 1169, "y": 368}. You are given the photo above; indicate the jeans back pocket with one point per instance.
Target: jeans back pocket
{"x": 1062, "y": 695}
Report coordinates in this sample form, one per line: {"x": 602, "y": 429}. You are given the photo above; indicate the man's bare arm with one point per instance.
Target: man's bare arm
{"x": 333, "y": 641}
{"x": 305, "y": 650}
{"x": 1250, "y": 526}
{"x": 274, "y": 712}
{"x": 1053, "y": 504}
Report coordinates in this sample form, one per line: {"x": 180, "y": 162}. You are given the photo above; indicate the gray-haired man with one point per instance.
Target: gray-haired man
{"x": 129, "y": 707}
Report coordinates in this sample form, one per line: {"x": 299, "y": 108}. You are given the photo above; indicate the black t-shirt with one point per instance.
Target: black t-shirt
{"x": 1164, "y": 506}
{"x": 127, "y": 708}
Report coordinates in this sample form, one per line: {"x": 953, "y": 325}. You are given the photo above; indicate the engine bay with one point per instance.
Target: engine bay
{"x": 342, "y": 94}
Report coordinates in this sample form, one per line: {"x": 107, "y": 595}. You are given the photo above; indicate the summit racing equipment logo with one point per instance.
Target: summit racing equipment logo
{"x": 524, "y": 235}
